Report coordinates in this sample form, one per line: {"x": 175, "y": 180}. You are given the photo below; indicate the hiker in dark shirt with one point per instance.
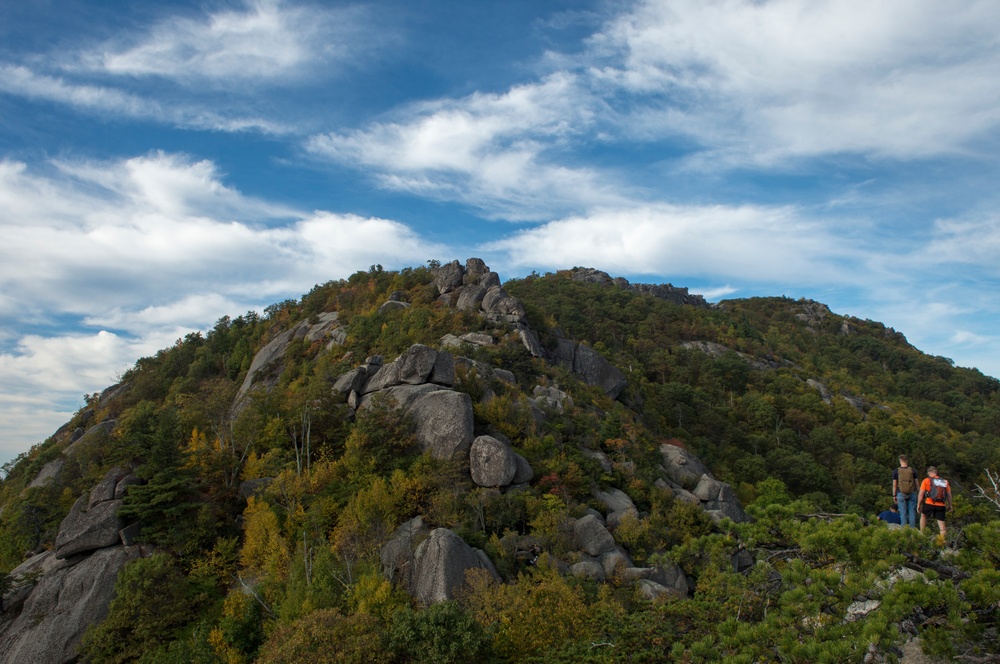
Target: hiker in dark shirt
{"x": 890, "y": 515}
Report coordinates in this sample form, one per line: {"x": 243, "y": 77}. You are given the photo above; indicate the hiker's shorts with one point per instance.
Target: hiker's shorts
{"x": 933, "y": 511}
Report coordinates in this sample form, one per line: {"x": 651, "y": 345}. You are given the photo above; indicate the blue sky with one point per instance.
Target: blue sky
{"x": 165, "y": 164}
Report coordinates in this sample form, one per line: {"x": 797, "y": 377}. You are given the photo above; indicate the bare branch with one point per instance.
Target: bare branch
{"x": 992, "y": 493}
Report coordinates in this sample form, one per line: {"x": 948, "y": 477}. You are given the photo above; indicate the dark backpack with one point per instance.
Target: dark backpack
{"x": 939, "y": 490}
{"x": 906, "y": 480}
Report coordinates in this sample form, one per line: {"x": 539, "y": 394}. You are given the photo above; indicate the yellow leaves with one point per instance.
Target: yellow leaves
{"x": 237, "y": 609}
{"x": 264, "y": 552}
{"x": 374, "y": 595}
{"x": 508, "y": 414}
{"x": 538, "y": 612}
{"x": 366, "y": 522}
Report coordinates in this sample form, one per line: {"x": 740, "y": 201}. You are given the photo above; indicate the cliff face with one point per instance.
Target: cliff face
{"x": 436, "y": 430}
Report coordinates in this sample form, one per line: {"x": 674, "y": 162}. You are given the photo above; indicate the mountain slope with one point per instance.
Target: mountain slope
{"x": 308, "y": 481}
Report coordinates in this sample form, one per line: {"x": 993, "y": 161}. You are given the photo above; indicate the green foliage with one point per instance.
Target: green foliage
{"x": 153, "y": 600}
{"x": 441, "y": 634}
{"x": 328, "y": 637}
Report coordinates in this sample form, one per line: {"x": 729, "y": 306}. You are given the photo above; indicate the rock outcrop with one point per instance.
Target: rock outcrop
{"x": 399, "y": 552}
{"x": 57, "y": 594}
{"x": 440, "y": 564}
{"x": 93, "y": 521}
{"x": 268, "y": 363}
{"x": 661, "y": 291}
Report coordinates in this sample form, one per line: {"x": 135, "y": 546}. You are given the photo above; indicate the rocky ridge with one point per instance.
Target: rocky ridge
{"x": 56, "y": 594}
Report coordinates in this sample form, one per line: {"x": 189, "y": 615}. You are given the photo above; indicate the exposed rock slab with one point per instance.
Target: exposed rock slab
{"x": 590, "y": 366}
{"x": 48, "y": 473}
{"x": 59, "y": 609}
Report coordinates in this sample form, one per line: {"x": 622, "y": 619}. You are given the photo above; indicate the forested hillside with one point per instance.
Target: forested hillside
{"x": 644, "y": 478}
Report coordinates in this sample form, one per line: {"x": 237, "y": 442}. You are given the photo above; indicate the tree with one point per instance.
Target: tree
{"x": 153, "y": 600}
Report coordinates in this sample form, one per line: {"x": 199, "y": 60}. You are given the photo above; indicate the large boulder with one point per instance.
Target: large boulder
{"x": 588, "y": 569}
{"x": 352, "y": 381}
{"x": 105, "y": 489}
{"x": 492, "y": 462}
{"x": 682, "y": 467}
{"x": 449, "y": 276}
{"x": 87, "y": 527}
{"x": 497, "y": 305}
{"x": 595, "y": 370}
{"x": 615, "y": 500}
{"x": 590, "y": 366}
{"x": 58, "y": 610}
{"x": 615, "y": 561}
{"x": 440, "y": 564}
{"x": 718, "y": 497}
{"x": 443, "y": 417}
{"x": 524, "y": 471}
{"x": 444, "y": 423}
{"x": 551, "y": 397}
{"x": 419, "y": 364}
{"x": 592, "y": 537}
{"x": 470, "y": 297}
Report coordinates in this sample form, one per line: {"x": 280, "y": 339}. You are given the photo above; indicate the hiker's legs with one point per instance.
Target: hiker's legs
{"x": 923, "y": 522}
{"x": 907, "y": 509}
{"x": 941, "y": 527}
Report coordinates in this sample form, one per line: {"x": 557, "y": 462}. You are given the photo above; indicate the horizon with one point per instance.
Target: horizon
{"x": 164, "y": 166}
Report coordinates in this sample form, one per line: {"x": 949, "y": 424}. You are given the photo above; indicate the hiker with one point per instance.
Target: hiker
{"x": 935, "y": 495}
{"x": 890, "y": 515}
{"x": 904, "y": 492}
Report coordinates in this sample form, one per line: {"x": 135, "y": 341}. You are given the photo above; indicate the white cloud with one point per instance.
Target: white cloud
{"x": 104, "y": 100}
{"x": 43, "y": 380}
{"x": 746, "y": 243}
{"x": 266, "y": 40}
{"x": 762, "y": 81}
{"x": 966, "y": 242}
{"x": 494, "y": 151}
{"x": 717, "y": 293}
{"x": 146, "y": 250}
{"x": 151, "y": 230}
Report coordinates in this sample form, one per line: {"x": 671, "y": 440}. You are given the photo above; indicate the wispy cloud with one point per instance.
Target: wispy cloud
{"x": 497, "y": 152}
{"x": 112, "y": 101}
{"x": 266, "y": 41}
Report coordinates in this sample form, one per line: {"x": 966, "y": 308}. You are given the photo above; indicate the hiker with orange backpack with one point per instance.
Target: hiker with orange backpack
{"x": 935, "y": 495}
{"x": 904, "y": 492}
